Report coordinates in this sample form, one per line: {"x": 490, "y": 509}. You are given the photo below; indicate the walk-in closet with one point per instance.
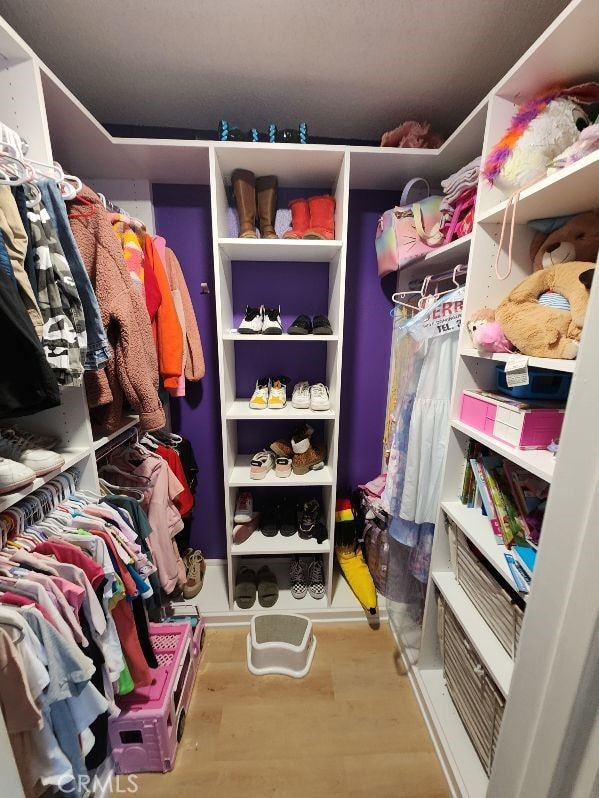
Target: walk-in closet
{"x": 298, "y": 470}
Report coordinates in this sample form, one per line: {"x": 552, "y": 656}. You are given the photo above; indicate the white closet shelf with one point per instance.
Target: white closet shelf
{"x": 453, "y": 253}
{"x": 258, "y": 249}
{"x": 130, "y": 421}
{"x": 570, "y": 190}
{"x": 240, "y": 477}
{"x": 260, "y": 545}
{"x": 298, "y": 339}
{"x": 556, "y": 364}
{"x": 537, "y": 461}
{"x": 239, "y": 409}
{"x": 71, "y": 458}
{"x": 498, "y": 662}
{"x": 441, "y": 713}
{"x": 476, "y": 528}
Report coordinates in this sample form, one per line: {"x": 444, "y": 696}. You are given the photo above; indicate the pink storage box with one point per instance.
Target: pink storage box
{"x": 145, "y": 736}
{"x": 523, "y": 425}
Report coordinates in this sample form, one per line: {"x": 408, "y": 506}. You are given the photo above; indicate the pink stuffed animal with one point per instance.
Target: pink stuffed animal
{"x": 486, "y": 333}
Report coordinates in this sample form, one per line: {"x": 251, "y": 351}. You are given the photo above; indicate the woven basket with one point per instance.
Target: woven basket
{"x": 501, "y": 607}
{"x": 477, "y": 699}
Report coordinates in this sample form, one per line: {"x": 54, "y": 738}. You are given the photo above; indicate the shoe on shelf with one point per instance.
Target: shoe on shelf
{"x": 195, "y": 570}
{"x": 259, "y": 400}
{"x": 277, "y": 398}
{"x": 319, "y": 397}
{"x": 245, "y": 588}
{"x": 287, "y": 518}
{"x": 241, "y": 532}
{"x": 300, "y": 219}
{"x": 244, "y": 507}
{"x": 266, "y": 205}
{"x": 316, "y": 577}
{"x": 21, "y": 447}
{"x": 300, "y": 398}
{"x": 272, "y": 321}
{"x": 261, "y": 463}
{"x": 308, "y": 518}
{"x": 310, "y": 460}
{"x": 252, "y": 322}
{"x": 244, "y": 190}
{"x": 301, "y": 326}
{"x": 282, "y": 448}
{"x": 300, "y": 440}
{"x": 35, "y": 439}
{"x": 283, "y": 467}
{"x": 321, "y": 325}
{"x": 322, "y": 217}
{"x": 269, "y": 524}
{"x": 14, "y": 476}
{"x": 268, "y": 587}
{"x": 297, "y": 578}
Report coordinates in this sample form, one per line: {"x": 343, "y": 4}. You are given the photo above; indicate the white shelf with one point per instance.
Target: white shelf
{"x": 537, "y": 461}
{"x": 455, "y": 252}
{"x": 280, "y": 567}
{"x": 270, "y": 339}
{"x": 130, "y": 421}
{"x": 498, "y": 662}
{"x": 260, "y": 545}
{"x": 556, "y": 364}
{"x": 477, "y": 529}
{"x": 239, "y": 410}
{"x": 240, "y": 477}
{"x": 282, "y": 249}
{"x": 571, "y": 190}
{"x": 71, "y": 458}
{"x": 447, "y": 727}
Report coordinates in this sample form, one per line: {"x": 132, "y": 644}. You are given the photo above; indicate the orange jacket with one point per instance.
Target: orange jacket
{"x": 168, "y": 334}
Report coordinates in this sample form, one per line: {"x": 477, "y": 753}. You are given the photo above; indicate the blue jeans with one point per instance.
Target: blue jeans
{"x": 98, "y": 348}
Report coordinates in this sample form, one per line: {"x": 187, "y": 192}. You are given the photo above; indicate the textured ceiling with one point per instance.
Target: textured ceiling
{"x": 350, "y": 68}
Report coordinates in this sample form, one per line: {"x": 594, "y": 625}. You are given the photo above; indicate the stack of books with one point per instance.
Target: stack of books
{"x": 512, "y": 499}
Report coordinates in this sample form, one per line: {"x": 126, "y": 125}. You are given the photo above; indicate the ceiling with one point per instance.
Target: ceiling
{"x": 351, "y": 68}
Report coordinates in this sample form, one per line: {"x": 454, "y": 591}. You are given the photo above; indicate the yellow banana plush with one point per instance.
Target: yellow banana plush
{"x": 358, "y": 576}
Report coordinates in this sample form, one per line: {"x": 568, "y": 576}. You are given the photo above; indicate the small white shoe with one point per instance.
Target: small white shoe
{"x": 259, "y": 399}
{"x": 301, "y": 396}
{"x": 252, "y": 322}
{"x": 21, "y": 447}
{"x": 14, "y": 476}
{"x": 319, "y": 397}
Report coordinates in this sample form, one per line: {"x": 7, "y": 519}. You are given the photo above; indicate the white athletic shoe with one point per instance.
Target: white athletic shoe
{"x": 259, "y": 399}
{"x": 14, "y": 476}
{"x": 319, "y": 397}
{"x": 252, "y": 322}
{"x": 272, "y": 321}
{"x": 21, "y": 447}
{"x": 301, "y": 396}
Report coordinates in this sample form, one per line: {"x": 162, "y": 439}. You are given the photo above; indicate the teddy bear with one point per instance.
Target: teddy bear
{"x": 486, "y": 332}
{"x": 539, "y": 330}
{"x": 565, "y": 239}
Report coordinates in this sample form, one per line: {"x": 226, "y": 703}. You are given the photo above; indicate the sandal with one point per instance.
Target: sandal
{"x": 283, "y": 467}
{"x": 268, "y": 587}
{"x": 245, "y": 588}
{"x": 261, "y": 463}
{"x": 243, "y": 531}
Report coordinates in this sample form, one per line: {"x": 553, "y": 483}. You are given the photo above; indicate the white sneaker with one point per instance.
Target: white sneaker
{"x": 244, "y": 508}
{"x": 297, "y": 578}
{"x": 252, "y": 322}
{"x": 278, "y": 393}
{"x": 20, "y": 446}
{"x": 301, "y": 396}
{"x": 272, "y": 321}
{"x": 259, "y": 398}
{"x": 13, "y": 476}
{"x": 319, "y": 397}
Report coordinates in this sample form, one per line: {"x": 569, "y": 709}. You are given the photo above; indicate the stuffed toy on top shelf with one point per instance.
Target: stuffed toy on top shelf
{"x": 542, "y": 128}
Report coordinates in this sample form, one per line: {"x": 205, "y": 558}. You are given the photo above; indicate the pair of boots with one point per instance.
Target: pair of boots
{"x": 256, "y": 200}
{"x": 312, "y": 218}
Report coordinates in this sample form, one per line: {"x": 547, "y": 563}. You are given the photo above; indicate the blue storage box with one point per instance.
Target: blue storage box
{"x": 544, "y": 384}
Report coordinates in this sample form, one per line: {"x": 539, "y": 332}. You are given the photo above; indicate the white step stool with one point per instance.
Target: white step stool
{"x": 282, "y": 644}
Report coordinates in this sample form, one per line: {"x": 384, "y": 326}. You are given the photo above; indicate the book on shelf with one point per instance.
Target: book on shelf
{"x": 526, "y": 557}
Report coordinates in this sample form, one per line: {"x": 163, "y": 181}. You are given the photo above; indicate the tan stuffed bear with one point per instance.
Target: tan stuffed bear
{"x": 541, "y": 331}
{"x": 577, "y": 239}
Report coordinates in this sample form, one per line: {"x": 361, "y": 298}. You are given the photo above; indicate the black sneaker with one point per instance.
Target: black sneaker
{"x": 321, "y": 325}
{"x": 309, "y": 517}
{"x": 301, "y": 326}
{"x": 272, "y": 322}
{"x": 269, "y": 524}
{"x": 252, "y": 321}
{"x": 288, "y": 518}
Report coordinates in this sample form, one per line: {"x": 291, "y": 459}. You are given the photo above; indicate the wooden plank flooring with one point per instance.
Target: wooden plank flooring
{"x": 350, "y": 728}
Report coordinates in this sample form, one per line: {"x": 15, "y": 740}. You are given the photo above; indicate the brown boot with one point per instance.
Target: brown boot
{"x": 266, "y": 193}
{"x": 244, "y": 191}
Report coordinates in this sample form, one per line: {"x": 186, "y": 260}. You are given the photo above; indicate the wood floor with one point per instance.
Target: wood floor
{"x": 350, "y": 728}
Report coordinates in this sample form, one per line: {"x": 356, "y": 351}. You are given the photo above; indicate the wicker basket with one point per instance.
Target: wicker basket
{"x": 474, "y": 693}
{"x": 500, "y": 605}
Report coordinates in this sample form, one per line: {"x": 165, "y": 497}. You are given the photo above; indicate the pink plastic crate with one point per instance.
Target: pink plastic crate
{"x": 146, "y": 734}
{"x": 523, "y": 425}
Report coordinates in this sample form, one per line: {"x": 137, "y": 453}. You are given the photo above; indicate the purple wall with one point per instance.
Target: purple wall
{"x": 183, "y": 216}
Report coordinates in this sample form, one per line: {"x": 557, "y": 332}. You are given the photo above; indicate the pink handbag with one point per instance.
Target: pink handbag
{"x": 408, "y": 232}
